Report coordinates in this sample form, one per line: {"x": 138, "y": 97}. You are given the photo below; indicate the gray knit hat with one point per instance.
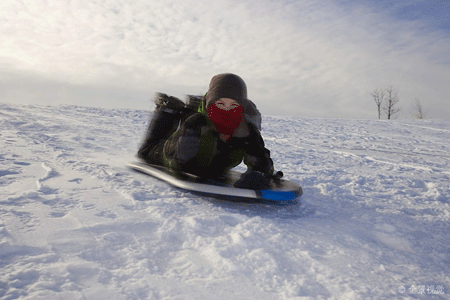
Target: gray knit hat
{"x": 227, "y": 85}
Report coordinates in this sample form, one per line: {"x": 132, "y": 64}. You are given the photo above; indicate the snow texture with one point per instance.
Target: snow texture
{"x": 75, "y": 223}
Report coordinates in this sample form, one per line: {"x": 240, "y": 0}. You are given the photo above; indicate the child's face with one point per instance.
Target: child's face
{"x": 226, "y": 104}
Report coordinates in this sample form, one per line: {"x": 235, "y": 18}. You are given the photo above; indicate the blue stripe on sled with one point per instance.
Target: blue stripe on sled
{"x": 278, "y": 195}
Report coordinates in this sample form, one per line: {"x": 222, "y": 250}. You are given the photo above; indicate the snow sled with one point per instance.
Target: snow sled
{"x": 279, "y": 191}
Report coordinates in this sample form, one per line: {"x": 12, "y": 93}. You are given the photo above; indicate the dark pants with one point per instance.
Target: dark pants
{"x": 162, "y": 126}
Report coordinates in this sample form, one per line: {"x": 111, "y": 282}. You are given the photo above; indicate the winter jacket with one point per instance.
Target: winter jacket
{"x": 196, "y": 148}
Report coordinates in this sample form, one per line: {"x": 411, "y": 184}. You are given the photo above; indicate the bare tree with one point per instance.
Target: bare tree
{"x": 418, "y": 111}
{"x": 392, "y": 100}
{"x": 378, "y": 96}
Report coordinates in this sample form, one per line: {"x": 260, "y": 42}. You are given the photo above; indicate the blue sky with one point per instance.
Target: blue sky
{"x": 436, "y": 14}
{"x": 302, "y": 58}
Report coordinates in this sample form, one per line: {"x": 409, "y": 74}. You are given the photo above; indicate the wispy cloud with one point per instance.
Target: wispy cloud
{"x": 297, "y": 57}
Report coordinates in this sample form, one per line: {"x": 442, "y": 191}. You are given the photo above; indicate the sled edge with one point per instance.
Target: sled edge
{"x": 193, "y": 186}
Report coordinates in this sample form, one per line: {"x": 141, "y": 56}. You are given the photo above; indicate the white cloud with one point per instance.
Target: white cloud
{"x": 297, "y": 57}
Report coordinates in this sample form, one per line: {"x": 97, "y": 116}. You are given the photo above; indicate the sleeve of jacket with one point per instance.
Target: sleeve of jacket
{"x": 257, "y": 157}
{"x": 182, "y": 147}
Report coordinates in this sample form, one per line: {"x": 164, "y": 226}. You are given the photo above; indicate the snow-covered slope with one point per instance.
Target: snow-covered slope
{"x": 75, "y": 223}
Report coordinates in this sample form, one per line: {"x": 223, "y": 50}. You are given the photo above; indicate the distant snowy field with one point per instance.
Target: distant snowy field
{"x": 75, "y": 223}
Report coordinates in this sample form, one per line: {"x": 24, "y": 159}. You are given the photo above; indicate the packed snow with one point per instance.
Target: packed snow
{"x": 76, "y": 223}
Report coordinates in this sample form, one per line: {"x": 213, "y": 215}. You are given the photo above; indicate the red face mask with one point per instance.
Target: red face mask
{"x": 226, "y": 121}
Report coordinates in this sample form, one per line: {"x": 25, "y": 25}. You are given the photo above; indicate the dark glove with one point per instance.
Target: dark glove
{"x": 254, "y": 180}
{"x": 277, "y": 176}
{"x": 187, "y": 148}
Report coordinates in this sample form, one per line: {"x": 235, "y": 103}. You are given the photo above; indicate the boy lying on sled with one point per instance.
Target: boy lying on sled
{"x": 210, "y": 135}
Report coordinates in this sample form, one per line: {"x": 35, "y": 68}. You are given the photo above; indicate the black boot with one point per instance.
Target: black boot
{"x": 163, "y": 124}
{"x": 192, "y": 105}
